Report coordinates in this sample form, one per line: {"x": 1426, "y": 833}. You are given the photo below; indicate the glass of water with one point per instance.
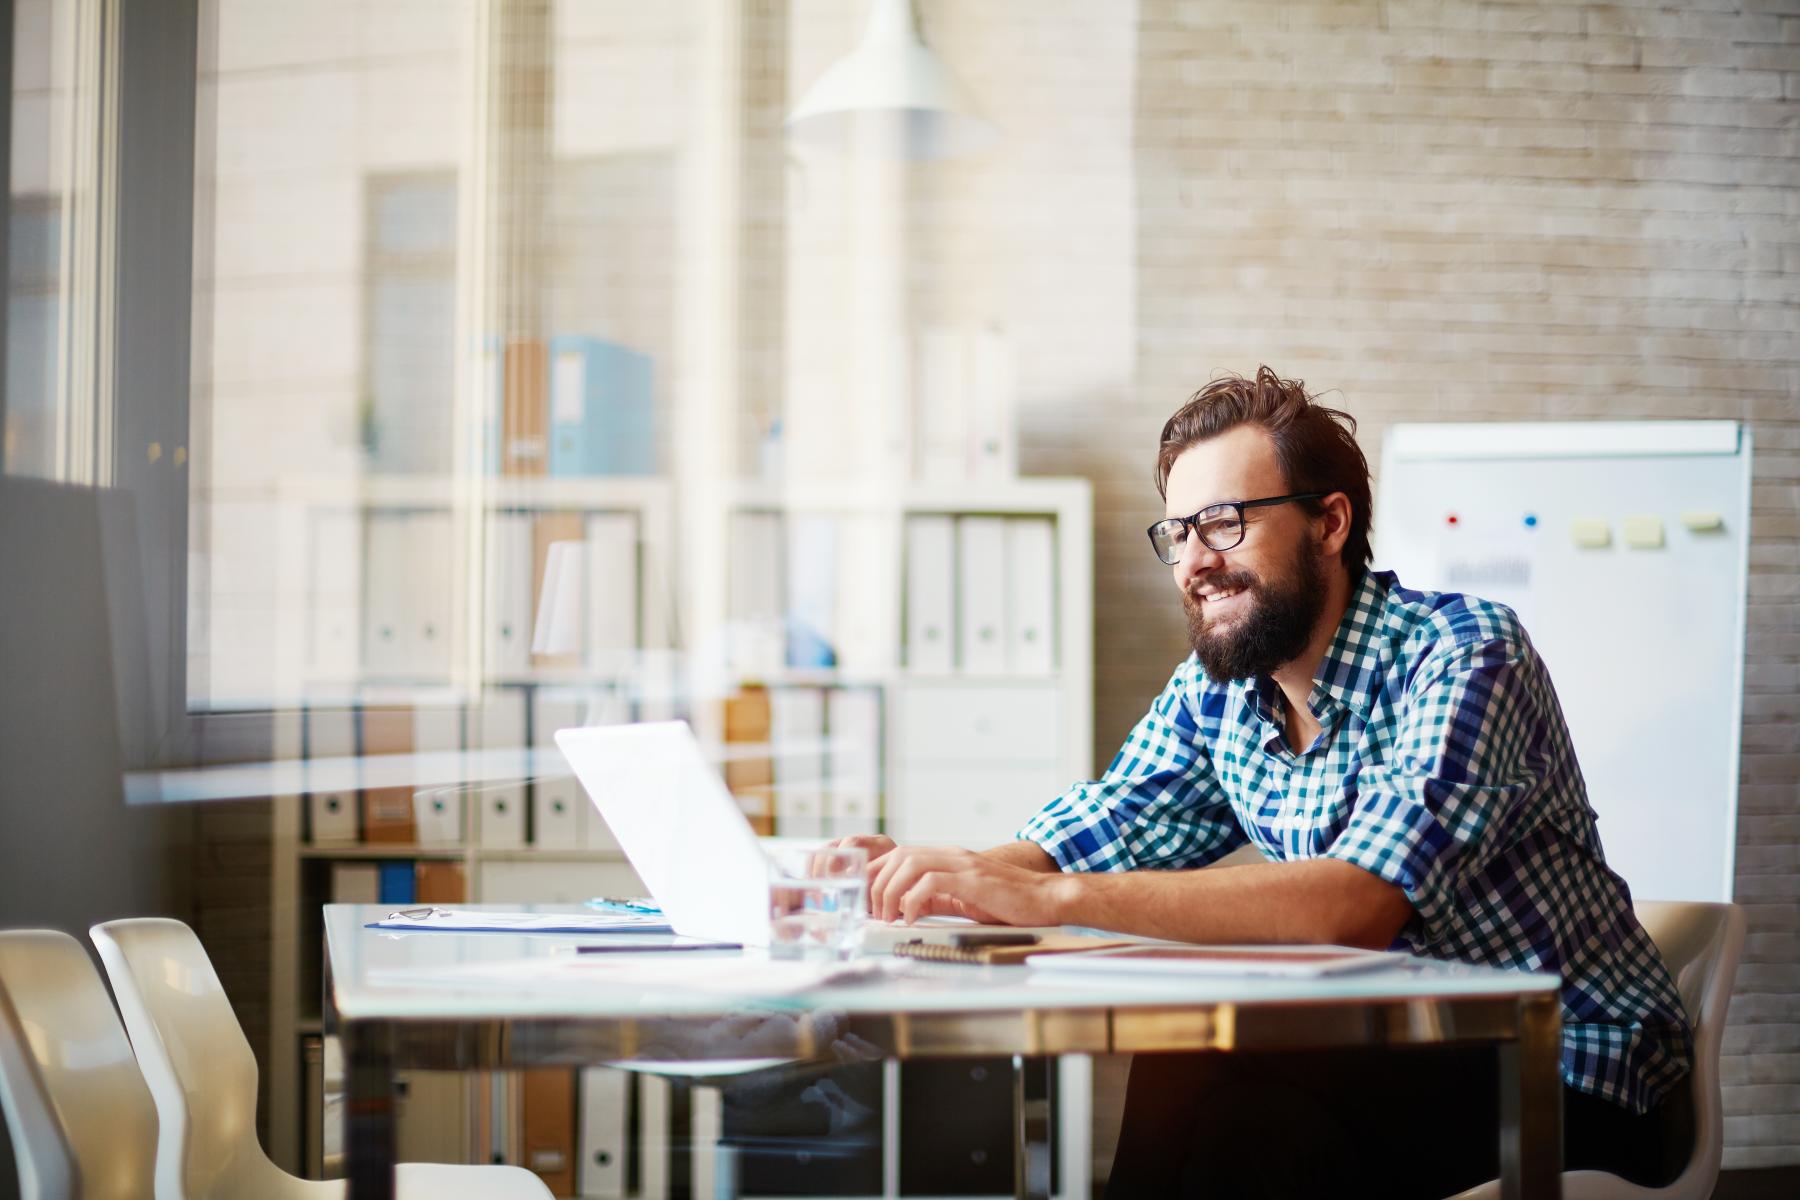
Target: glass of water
{"x": 818, "y": 900}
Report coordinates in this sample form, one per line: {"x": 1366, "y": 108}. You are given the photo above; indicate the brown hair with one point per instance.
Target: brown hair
{"x": 1315, "y": 446}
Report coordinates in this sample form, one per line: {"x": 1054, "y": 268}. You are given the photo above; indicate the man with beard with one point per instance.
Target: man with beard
{"x": 1400, "y": 759}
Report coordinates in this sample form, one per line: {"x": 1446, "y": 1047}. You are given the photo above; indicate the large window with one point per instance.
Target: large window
{"x": 489, "y": 296}
{"x": 42, "y": 172}
{"x": 432, "y": 236}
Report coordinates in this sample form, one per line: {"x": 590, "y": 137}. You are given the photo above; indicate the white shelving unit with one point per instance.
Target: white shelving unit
{"x": 965, "y": 749}
{"x": 968, "y": 754}
{"x": 335, "y": 680}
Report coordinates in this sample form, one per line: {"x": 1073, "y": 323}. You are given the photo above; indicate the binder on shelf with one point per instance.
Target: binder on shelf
{"x": 388, "y": 597}
{"x": 438, "y": 815}
{"x": 749, "y": 773}
{"x": 331, "y": 815}
{"x": 605, "y": 1130}
{"x": 355, "y": 883}
{"x": 612, "y": 593}
{"x": 1031, "y": 595}
{"x": 509, "y": 596}
{"x": 853, "y": 760}
{"x": 757, "y": 641}
{"x": 333, "y": 818}
{"x": 437, "y": 811}
{"x": 930, "y": 594}
{"x": 981, "y": 595}
{"x": 524, "y": 415}
{"x": 431, "y": 1116}
{"x": 993, "y": 383}
{"x": 868, "y": 594}
{"x": 388, "y": 811}
{"x": 602, "y": 408}
{"x": 812, "y": 579}
{"x": 548, "y": 529}
{"x": 440, "y": 882}
{"x": 334, "y": 590}
{"x": 395, "y": 882}
{"x": 557, "y": 801}
{"x": 430, "y": 589}
{"x": 500, "y": 824}
{"x": 797, "y": 745}
{"x": 570, "y": 428}
{"x": 547, "y": 1127}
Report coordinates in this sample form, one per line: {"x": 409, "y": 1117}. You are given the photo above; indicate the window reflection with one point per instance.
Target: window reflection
{"x": 42, "y": 193}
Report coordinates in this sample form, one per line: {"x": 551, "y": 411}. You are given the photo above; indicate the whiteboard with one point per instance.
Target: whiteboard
{"x": 1644, "y": 642}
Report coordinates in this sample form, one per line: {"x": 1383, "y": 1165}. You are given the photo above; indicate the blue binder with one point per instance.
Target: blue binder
{"x": 397, "y": 884}
{"x": 602, "y": 420}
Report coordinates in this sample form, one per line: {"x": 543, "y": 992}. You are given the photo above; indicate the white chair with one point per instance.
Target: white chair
{"x": 202, "y": 1076}
{"x": 1700, "y": 944}
{"x": 82, "y": 1122}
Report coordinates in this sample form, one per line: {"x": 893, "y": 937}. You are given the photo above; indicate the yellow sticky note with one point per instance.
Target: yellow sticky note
{"x": 1591, "y": 533}
{"x": 1642, "y": 533}
{"x": 1703, "y": 521}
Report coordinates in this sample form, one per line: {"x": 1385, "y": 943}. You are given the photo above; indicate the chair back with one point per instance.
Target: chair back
{"x": 194, "y": 1056}
{"x": 82, "y": 1122}
{"x": 1700, "y": 944}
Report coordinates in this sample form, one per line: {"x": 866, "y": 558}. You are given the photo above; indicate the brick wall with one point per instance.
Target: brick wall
{"x": 1449, "y": 211}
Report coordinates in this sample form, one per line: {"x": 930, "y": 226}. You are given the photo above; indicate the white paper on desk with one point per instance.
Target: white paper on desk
{"x": 1290, "y": 962}
{"x": 729, "y": 973}
{"x": 454, "y": 920}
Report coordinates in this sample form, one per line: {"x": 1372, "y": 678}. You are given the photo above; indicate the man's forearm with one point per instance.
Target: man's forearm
{"x": 1318, "y": 900}
{"x": 1029, "y": 855}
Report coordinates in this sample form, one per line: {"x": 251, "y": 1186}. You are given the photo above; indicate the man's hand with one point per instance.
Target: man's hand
{"x": 922, "y": 881}
{"x": 877, "y": 844}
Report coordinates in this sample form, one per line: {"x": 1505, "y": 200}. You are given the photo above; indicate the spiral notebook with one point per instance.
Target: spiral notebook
{"x": 1055, "y": 943}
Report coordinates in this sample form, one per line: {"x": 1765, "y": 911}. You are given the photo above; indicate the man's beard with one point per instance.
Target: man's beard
{"x": 1277, "y": 626}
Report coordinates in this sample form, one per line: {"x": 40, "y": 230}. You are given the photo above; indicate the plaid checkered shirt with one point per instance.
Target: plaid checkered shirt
{"x": 1443, "y": 766}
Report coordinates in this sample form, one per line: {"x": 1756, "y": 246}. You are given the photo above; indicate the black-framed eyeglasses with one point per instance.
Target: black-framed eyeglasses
{"x": 1220, "y": 526}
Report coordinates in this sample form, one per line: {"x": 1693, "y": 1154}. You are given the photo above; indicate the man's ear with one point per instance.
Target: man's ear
{"x": 1335, "y": 523}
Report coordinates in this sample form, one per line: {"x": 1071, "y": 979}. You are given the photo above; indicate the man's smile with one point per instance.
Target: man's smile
{"x": 1222, "y": 597}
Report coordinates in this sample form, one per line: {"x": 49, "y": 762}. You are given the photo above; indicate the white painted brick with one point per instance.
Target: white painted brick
{"x": 1632, "y": 202}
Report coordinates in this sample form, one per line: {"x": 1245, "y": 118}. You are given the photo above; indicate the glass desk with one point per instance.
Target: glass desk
{"x": 498, "y": 1001}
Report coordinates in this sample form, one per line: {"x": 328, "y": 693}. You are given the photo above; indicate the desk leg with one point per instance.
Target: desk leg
{"x": 681, "y": 1138}
{"x": 1031, "y": 1127}
{"x": 1531, "y": 1104}
{"x": 369, "y": 1146}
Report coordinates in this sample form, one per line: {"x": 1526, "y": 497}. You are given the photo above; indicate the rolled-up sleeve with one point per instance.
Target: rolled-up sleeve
{"x": 1458, "y": 789}
{"x": 1159, "y": 805}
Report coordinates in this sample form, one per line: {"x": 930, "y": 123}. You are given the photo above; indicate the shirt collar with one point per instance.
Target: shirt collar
{"x": 1350, "y": 672}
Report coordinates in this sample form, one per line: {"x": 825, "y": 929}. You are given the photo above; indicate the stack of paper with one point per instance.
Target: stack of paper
{"x": 727, "y": 973}
{"x": 452, "y": 920}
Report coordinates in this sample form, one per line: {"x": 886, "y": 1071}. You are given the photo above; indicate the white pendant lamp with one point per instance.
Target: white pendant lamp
{"x": 891, "y": 93}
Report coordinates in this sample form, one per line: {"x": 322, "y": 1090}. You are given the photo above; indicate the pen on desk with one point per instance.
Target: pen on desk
{"x": 612, "y": 904}
{"x": 629, "y": 948}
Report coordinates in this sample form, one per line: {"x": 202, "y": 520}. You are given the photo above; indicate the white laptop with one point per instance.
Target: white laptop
{"x": 686, "y": 836}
